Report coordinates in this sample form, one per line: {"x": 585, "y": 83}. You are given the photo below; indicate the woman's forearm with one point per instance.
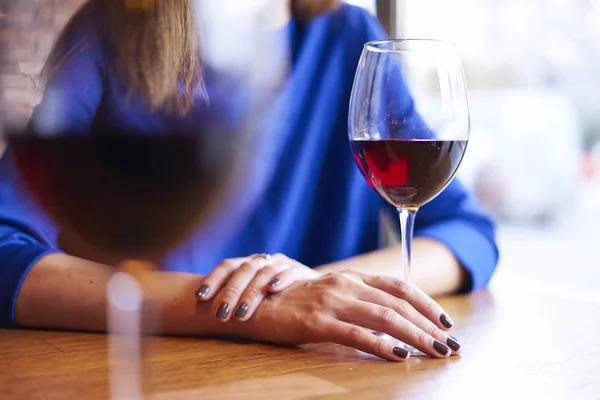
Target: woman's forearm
{"x": 434, "y": 268}
{"x": 65, "y": 292}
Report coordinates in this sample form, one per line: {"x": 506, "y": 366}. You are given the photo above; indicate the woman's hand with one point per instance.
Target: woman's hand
{"x": 347, "y": 308}
{"x": 238, "y": 285}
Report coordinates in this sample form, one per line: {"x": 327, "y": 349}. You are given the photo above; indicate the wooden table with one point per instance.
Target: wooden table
{"x": 517, "y": 345}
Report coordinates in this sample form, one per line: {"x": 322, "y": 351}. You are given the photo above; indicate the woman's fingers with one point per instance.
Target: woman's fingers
{"x": 383, "y": 319}
{"x": 364, "y": 340}
{"x": 281, "y": 280}
{"x": 290, "y": 273}
{"x": 217, "y": 278}
{"x": 271, "y": 279}
{"x": 416, "y": 297}
{"x": 239, "y": 285}
{"x": 229, "y": 295}
{"x": 267, "y": 278}
{"x": 408, "y": 312}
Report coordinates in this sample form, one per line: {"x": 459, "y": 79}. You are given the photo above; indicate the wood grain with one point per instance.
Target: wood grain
{"x": 296, "y": 386}
{"x": 516, "y": 344}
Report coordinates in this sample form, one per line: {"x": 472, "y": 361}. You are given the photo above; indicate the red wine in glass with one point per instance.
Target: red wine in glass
{"x": 408, "y": 173}
{"x": 120, "y": 195}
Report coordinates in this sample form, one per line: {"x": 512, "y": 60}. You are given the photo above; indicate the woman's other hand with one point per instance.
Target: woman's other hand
{"x": 238, "y": 285}
{"x": 348, "y": 308}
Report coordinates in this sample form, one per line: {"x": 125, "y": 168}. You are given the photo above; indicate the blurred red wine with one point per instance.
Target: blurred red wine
{"x": 125, "y": 195}
{"x": 408, "y": 173}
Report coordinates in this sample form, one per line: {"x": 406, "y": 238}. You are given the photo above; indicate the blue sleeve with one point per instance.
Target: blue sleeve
{"x": 69, "y": 103}
{"x": 453, "y": 218}
{"x": 26, "y": 235}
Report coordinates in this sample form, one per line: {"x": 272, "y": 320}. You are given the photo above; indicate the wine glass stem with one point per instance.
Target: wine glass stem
{"x": 124, "y": 306}
{"x": 126, "y": 325}
{"x": 407, "y": 219}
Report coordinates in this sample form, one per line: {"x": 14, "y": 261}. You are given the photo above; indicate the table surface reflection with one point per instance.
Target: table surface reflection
{"x": 517, "y": 344}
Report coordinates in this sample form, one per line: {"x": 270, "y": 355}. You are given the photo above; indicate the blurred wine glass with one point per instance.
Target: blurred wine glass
{"x": 126, "y": 197}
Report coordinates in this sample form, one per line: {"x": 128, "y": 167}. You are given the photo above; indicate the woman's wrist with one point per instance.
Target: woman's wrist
{"x": 435, "y": 269}
{"x": 172, "y": 309}
{"x": 170, "y": 306}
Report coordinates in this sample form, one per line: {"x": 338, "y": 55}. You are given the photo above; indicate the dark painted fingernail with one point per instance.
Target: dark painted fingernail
{"x": 441, "y": 348}
{"x": 241, "y": 310}
{"x": 400, "y": 352}
{"x": 274, "y": 283}
{"x": 202, "y": 292}
{"x": 446, "y": 321}
{"x": 453, "y": 343}
{"x": 223, "y": 311}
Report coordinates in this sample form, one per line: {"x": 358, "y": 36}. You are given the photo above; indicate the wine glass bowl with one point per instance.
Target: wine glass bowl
{"x": 408, "y": 173}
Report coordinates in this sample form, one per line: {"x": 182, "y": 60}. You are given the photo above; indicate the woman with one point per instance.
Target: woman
{"x": 329, "y": 223}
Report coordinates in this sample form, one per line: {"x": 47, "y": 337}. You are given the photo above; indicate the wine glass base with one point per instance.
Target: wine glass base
{"x": 414, "y": 352}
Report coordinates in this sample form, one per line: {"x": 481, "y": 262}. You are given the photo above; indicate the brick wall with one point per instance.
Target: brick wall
{"x": 27, "y": 30}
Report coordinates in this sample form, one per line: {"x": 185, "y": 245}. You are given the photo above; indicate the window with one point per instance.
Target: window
{"x": 368, "y": 4}
{"x": 534, "y": 157}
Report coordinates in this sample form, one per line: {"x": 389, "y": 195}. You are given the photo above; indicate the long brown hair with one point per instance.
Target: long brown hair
{"x": 162, "y": 65}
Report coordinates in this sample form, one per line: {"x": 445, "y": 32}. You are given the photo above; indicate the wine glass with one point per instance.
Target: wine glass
{"x": 409, "y": 124}
{"x": 123, "y": 193}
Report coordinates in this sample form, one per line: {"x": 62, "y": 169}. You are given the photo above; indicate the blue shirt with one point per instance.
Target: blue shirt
{"x": 307, "y": 199}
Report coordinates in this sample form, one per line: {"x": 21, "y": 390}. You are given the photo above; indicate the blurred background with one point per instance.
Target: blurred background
{"x": 533, "y": 70}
